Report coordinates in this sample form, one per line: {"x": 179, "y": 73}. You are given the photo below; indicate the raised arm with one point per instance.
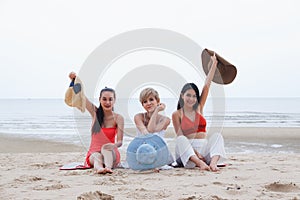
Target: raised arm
{"x": 90, "y": 107}
{"x": 213, "y": 66}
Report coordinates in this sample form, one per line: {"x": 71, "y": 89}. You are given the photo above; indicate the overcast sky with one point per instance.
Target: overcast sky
{"x": 42, "y": 41}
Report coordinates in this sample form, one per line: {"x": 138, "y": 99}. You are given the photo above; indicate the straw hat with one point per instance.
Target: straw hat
{"x": 225, "y": 73}
{"x": 75, "y": 97}
{"x": 147, "y": 152}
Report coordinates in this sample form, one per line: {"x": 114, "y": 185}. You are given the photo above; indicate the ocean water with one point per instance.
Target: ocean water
{"x": 52, "y": 119}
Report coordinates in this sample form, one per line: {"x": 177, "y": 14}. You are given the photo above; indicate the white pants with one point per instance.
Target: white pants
{"x": 213, "y": 146}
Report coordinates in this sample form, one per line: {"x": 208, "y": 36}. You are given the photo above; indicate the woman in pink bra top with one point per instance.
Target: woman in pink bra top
{"x": 192, "y": 147}
{"x": 106, "y": 132}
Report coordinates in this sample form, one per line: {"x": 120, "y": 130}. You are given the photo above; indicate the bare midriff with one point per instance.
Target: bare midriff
{"x": 198, "y": 135}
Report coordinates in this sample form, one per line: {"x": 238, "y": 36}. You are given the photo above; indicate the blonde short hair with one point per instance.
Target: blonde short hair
{"x": 145, "y": 93}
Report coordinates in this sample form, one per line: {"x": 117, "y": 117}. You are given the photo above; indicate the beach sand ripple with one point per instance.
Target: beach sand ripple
{"x": 97, "y": 195}
{"x": 283, "y": 187}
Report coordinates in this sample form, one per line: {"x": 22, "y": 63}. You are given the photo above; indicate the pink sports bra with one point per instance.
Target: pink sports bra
{"x": 189, "y": 127}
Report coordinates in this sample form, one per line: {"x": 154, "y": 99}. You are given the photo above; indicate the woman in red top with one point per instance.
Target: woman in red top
{"x": 107, "y": 132}
{"x": 192, "y": 147}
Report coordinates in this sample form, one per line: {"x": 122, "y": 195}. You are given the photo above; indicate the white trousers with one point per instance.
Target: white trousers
{"x": 213, "y": 146}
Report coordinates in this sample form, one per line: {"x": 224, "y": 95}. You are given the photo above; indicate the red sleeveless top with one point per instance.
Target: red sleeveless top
{"x": 104, "y": 136}
{"x": 189, "y": 127}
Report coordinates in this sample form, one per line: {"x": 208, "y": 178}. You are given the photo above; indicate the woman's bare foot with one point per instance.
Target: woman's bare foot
{"x": 156, "y": 170}
{"x": 204, "y": 166}
{"x": 108, "y": 170}
{"x": 214, "y": 167}
{"x": 199, "y": 163}
{"x": 100, "y": 171}
{"x": 213, "y": 163}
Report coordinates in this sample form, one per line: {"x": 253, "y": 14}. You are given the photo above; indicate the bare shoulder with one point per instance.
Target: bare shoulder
{"x": 139, "y": 116}
{"x": 119, "y": 117}
{"x": 177, "y": 113}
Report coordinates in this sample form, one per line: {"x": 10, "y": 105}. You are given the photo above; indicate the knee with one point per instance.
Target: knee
{"x": 216, "y": 135}
{"x": 219, "y": 135}
{"x": 180, "y": 138}
{"x": 106, "y": 147}
{"x": 103, "y": 149}
{"x": 216, "y": 138}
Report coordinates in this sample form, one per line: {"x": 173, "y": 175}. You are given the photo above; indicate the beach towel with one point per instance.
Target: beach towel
{"x": 74, "y": 166}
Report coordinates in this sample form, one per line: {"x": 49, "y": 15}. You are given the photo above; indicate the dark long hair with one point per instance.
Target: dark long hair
{"x": 184, "y": 89}
{"x": 99, "y": 112}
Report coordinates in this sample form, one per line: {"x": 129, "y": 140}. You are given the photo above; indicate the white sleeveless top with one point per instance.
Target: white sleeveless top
{"x": 160, "y": 133}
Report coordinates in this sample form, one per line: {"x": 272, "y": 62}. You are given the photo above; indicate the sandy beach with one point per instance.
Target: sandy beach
{"x": 30, "y": 170}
